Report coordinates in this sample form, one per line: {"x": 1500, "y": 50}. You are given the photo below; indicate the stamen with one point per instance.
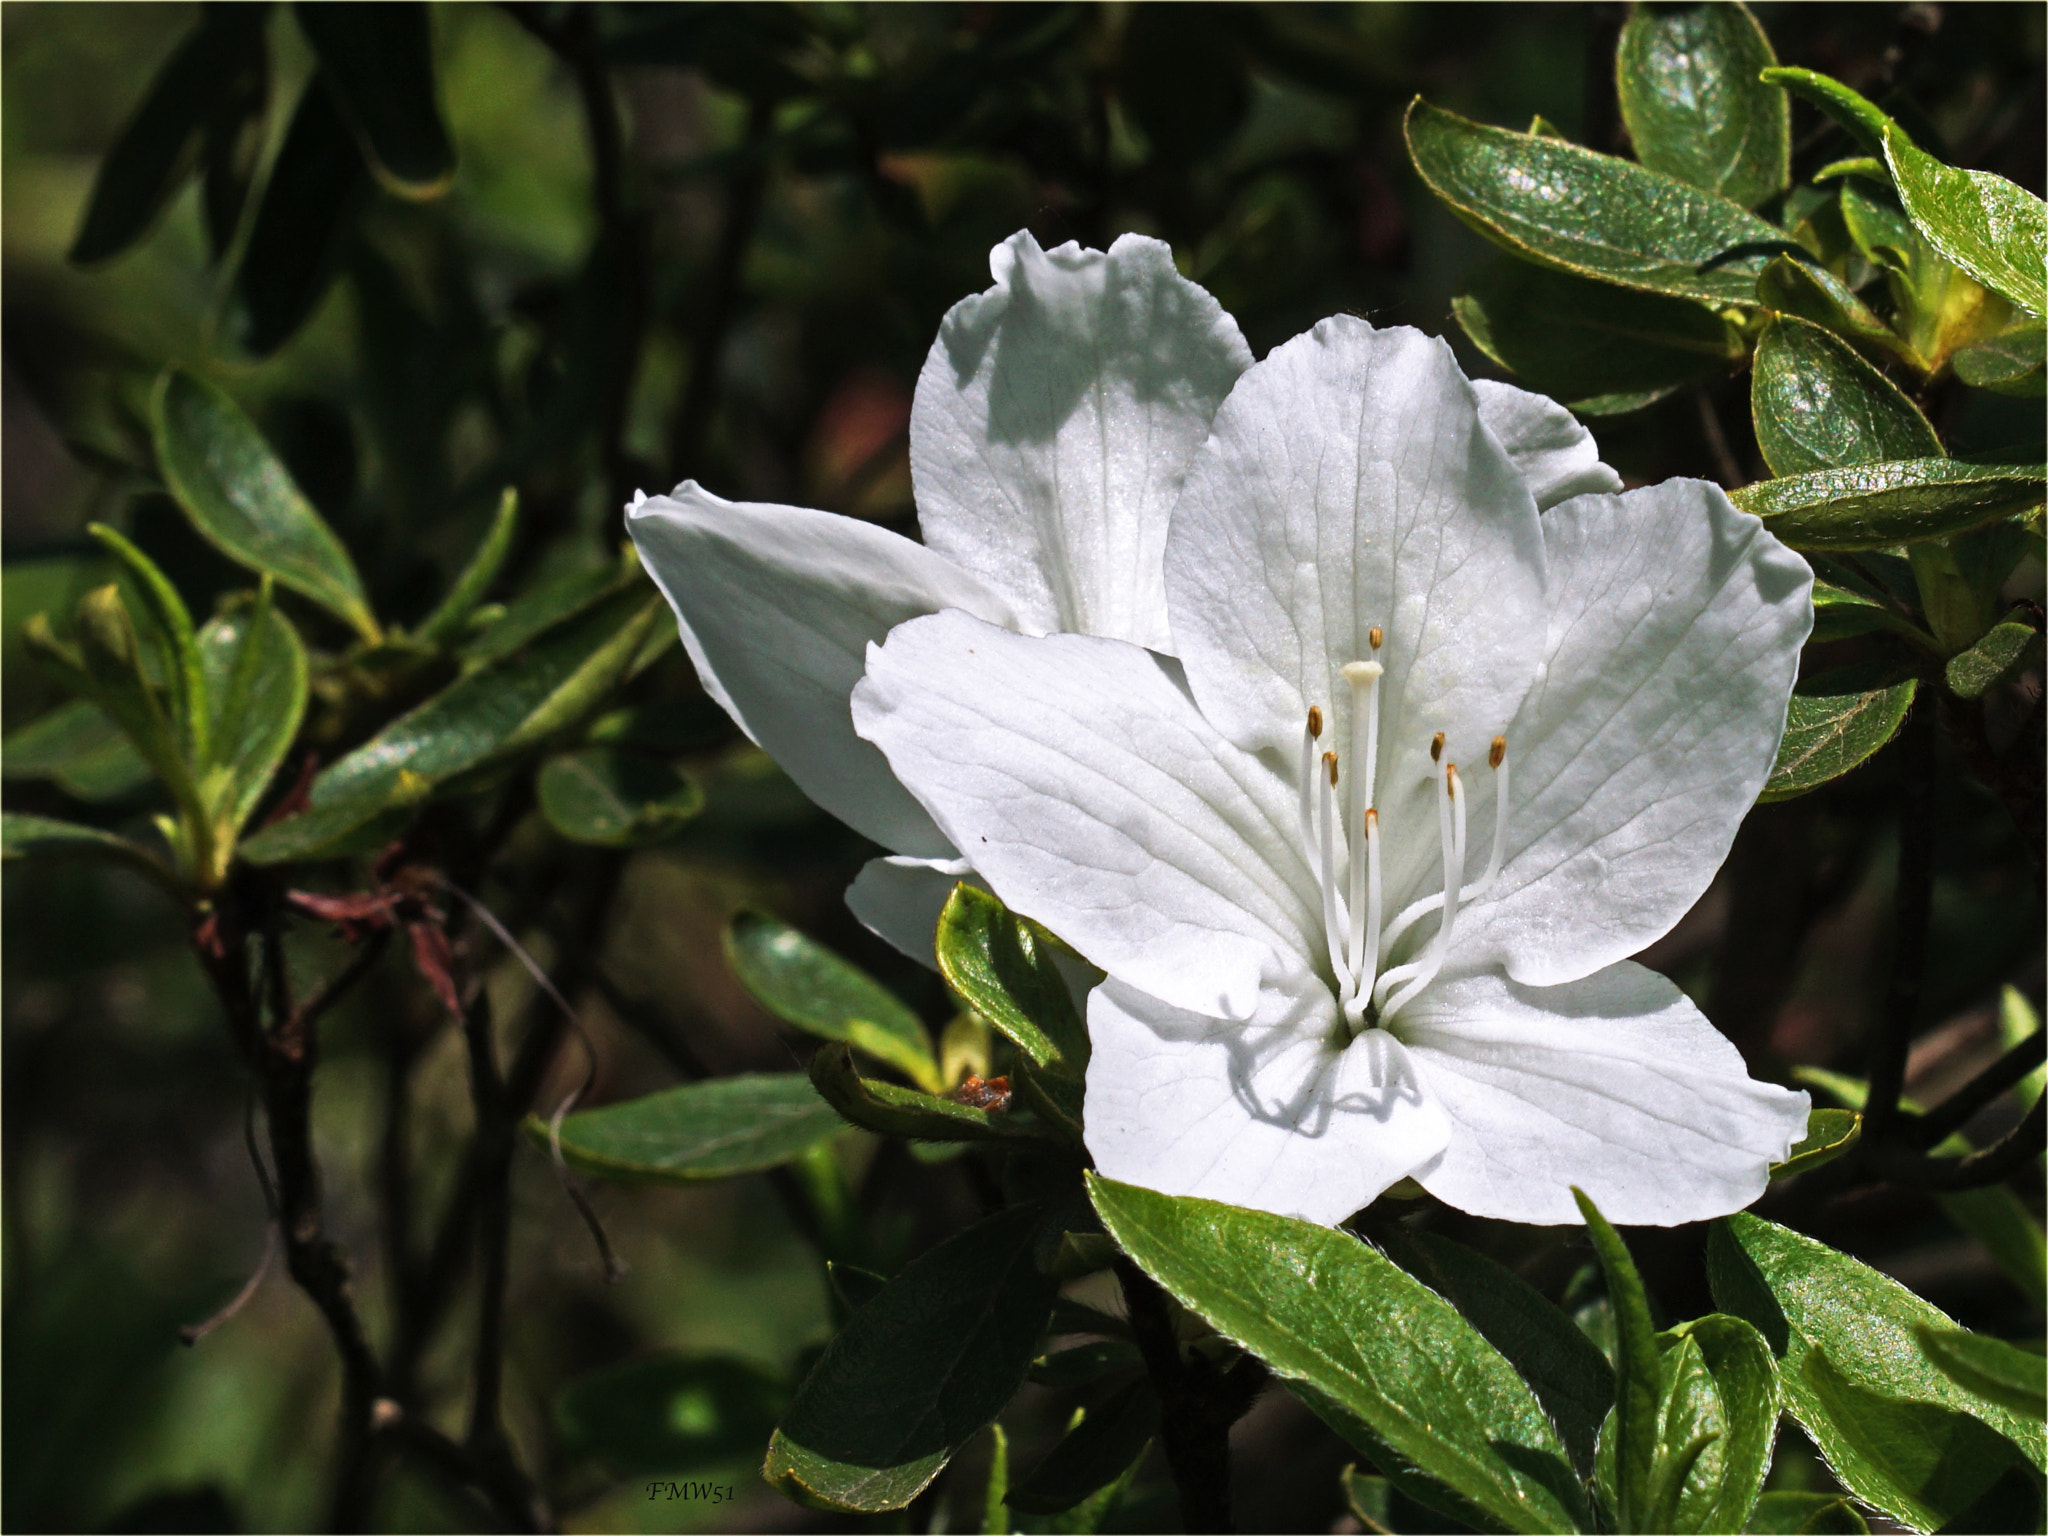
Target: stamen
{"x": 1365, "y": 959}
{"x": 1420, "y": 973}
{"x": 1364, "y": 677}
{"x": 1333, "y": 924}
{"x": 1436, "y": 748}
{"x": 1497, "y": 759}
{"x": 1310, "y": 733}
{"x": 1375, "y": 637}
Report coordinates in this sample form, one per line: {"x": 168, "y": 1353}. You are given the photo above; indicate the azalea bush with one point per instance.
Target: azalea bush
{"x": 1321, "y": 887}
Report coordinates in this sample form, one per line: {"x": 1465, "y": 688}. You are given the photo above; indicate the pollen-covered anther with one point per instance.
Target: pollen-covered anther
{"x": 1315, "y": 722}
{"x": 1436, "y": 748}
{"x": 1375, "y": 637}
{"x": 1497, "y": 753}
{"x": 1330, "y": 767}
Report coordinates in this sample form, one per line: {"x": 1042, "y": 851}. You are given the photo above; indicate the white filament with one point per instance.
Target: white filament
{"x": 1333, "y": 924}
{"x": 1364, "y": 960}
{"x": 1416, "y": 975}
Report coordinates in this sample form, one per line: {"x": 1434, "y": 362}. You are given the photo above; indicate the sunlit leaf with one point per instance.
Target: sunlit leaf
{"x": 1687, "y": 80}
{"x": 2012, "y": 1377}
{"x": 889, "y": 1110}
{"x": 1003, "y": 967}
{"x": 1817, "y": 405}
{"x": 1993, "y": 229}
{"x": 1834, "y": 723}
{"x": 1874, "y": 506}
{"x": 1829, "y": 1133}
{"x": 1638, "y": 1373}
{"x": 1786, "y": 1513}
{"x": 2002, "y": 650}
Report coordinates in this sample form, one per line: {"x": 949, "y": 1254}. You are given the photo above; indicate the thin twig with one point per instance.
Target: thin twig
{"x": 1999, "y": 1161}
{"x": 192, "y": 1333}
{"x": 1953, "y": 1112}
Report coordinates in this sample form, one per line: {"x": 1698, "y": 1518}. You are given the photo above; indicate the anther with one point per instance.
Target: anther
{"x": 1365, "y": 923}
{"x": 1315, "y": 722}
{"x": 1334, "y": 923}
{"x": 1375, "y": 637}
{"x": 1436, "y": 748}
{"x": 1364, "y": 678}
{"x": 1330, "y": 767}
{"x": 1497, "y": 753}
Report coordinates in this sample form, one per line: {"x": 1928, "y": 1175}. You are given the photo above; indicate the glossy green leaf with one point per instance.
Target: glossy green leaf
{"x": 1687, "y": 79}
{"x": 1818, "y": 405}
{"x": 1864, "y": 122}
{"x": 1829, "y": 1133}
{"x": 1787, "y": 1513}
{"x": 1894, "y": 1429}
{"x": 1638, "y": 1384}
{"x": 446, "y": 623}
{"x": 1095, "y": 1453}
{"x": 2010, "y": 363}
{"x": 888, "y": 1110}
{"x": 671, "y": 1413}
{"x": 615, "y": 799}
{"x": 1798, "y": 287}
{"x": 2012, "y": 1377}
{"x": 244, "y": 501}
{"x": 1874, "y": 506}
{"x": 79, "y": 747}
{"x": 1718, "y": 1378}
{"x": 539, "y": 694}
{"x": 1839, "y": 612}
{"x": 1590, "y": 344}
{"x": 709, "y": 1130}
{"x": 1834, "y": 723}
{"x": 1992, "y": 228}
{"x": 1388, "y": 1362}
{"x": 1568, "y": 1374}
{"x": 1003, "y": 967}
{"x": 2002, "y": 650}
{"x": 202, "y": 82}
{"x": 170, "y": 634}
{"x": 379, "y": 62}
{"x": 917, "y": 1372}
{"x": 1593, "y": 214}
{"x": 44, "y": 837}
{"x": 258, "y": 682}
{"x": 803, "y": 983}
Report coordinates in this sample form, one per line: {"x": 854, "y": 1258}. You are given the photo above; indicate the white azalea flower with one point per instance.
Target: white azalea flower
{"x": 1364, "y": 865}
{"x": 1053, "y": 425}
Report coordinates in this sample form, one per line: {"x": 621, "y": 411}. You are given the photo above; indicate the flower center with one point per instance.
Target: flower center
{"x": 1354, "y": 926}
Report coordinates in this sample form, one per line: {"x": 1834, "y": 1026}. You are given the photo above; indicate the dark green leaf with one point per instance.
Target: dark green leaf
{"x": 42, "y": 837}
{"x": 1799, "y": 287}
{"x": 1829, "y": 1133}
{"x": 671, "y": 1413}
{"x": 1383, "y": 1358}
{"x": 615, "y": 799}
{"x": 1584, "y": 342}
{"x": 853, "y": 1286}
{"x": 1896, "y": 1431}
{"x": 889, "y": 1110}
{"x": 1095, "y": 1453}
{"x": 301, "y": 225}
{"x": 1083, "y": 1363}
{"x": 1735, "y": 1398}
{"x": 1993, "y": 229}
{"x": 112, "y": 673}
{"x": 707, "y": 1130}
{"x": 379, "y": 61}
{"x": 1805, "y": 1514}
{"x": 170, "y": 634}
{"x": 2012, "y": 1377}
{"x": 204, "y": 81}
{"x": 541, "y": 609}
{"x": 1569, "y": 1376}
{"x": 446, "y": 623}
{"x": 257, "y": 681}
{"x": 244, "y": 501}
{"x": 2011, "y": 364}
{"x": 2003, "y": 648}
{"x": 917, "y": 1372}
{"x": 1687, "y": 80}
{"x": 1638, "y": 1388}
{"x": 79, "y": 747}
{"x": 1864, "y": 122}
{"x": 1818, "y": 405}
{"x": 1832, "y": 726}
{"x": 1003, "y": 967}
{"x": 1369, "y": 1499}
{"x": 1593, "y": 214}
{"x": 803, "y": 983}
{"x": 487, "y": 717}
{"x": 1874, "y": 506}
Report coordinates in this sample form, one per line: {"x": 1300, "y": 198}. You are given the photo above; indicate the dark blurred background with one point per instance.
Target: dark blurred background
{"x": 716, "y": 241}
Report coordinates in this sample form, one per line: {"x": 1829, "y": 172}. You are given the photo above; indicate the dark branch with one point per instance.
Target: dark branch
{"x": 2003, "y": 1158}
{"x": 1955, "y": 1111}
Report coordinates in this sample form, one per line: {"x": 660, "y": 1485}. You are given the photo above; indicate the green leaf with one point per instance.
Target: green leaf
{"x": 257, "y": 681}
{"x": 43, "y": 837}
{"x": 889, "y": 1110}
{"x": 1733, "y": 1395}
{"x": 79, "y": 747}
{"x": 1865, "y": 123}
{"x": 2003, "y": 648}
{"x": 1787, "y": 1513}
{"x": 1894, "y": 1429}
{"x": 1874, "y": 506}
{"x": 1585, "y": 343}
{"x": 1794, "y": 286}
{"x": 1869, "y": 167}
{"x": 803, "y": 983}
{"x": 1083, "y": 1363}
{"x": 1638, "y": 1388}
{"x": 541, "y": 609}
{"x": 1095, "y": 1453}
{"x": 1992, "y": 228}
{"x": 917, "y": 1372}
{"x": 1818, "y": 405}
{"x": 1370, "y": 1499}
{"x": 1601, "y": 217}
{"x": 2012, "y": 1377}
{"x": 1829, "y": 1133}
{"x": 170, "y": 633}
{"x": 379, "y": 61}
{"x": 1003, "y": 967}
{"x": 1687, "y": 80}
{"x": 1568, "y": 1374}
{"x": 671, "y": 1413}
{"x": 447, "y": 621}
{"x": 244, "y": 501}
{"x": 1839, "y": 612}
{"x": 1388, "y": 1362}
{"x": 2010, "y": 364}
{"x": 1832, "y": 726}
{"x": 112, "y": 673}
{"x": 995, "y": 1507}
{"x": 709, "y": 1130}
{"x": 615, "y": 799}
{"x": 480, "y": 720}
{"x": 2016, "y": 1021}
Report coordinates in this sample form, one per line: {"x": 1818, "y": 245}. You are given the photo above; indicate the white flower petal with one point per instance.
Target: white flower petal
{"x": 1616, "y": 1083}
{"x": 1348, "y": 484}
{"x": 900, "y": 899}
{"x": 1054, "y": 422}
{"x": 1078, "y": 777}
{"x": 776, "y": 607}
{"x": 1674, "y": 639}
{"x": 1548, "y": 444}
{"x": 1262, "y": 1113}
